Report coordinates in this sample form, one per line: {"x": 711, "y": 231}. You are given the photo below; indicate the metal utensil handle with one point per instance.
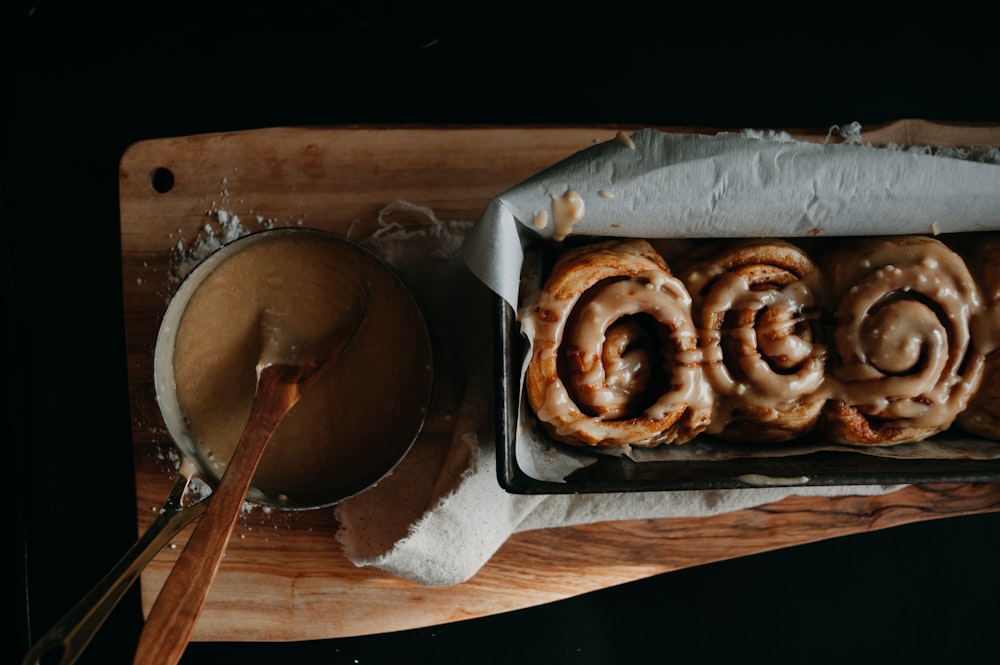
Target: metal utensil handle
{"x": 74, "y": 631}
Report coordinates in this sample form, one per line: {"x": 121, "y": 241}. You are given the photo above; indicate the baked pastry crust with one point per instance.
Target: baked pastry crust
{"x": 904, "y": 362}
{"x": 982, "y": 416}
{"x": 878, "y": 341}
{"x": 757, "y": 305}
{"x": 615, "y": 360}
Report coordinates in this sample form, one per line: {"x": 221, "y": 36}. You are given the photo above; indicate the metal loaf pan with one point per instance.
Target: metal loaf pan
{"x": 607, "y": 473}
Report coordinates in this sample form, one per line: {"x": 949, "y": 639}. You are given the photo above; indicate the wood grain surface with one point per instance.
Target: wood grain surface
{"x": 284, "y": 576}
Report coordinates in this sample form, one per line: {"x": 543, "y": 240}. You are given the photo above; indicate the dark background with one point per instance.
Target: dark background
{"x": 81, "y": 82}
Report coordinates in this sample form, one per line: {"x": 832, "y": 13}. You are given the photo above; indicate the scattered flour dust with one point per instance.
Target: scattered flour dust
{"x": 222, "y": 228}
{"x": 852, "y": 135}
{"x": 199, "y": 489}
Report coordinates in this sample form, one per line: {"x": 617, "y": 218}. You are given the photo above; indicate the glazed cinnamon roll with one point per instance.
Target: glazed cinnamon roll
{"x": 757, "y": 306}
{"x": 904, "y": 364}
{"x": 982, "y": 416}
{"x": 615, "y": 359}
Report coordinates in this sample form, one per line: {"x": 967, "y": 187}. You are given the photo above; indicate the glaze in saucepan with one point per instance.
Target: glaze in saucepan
{"x": 347, "y": 432}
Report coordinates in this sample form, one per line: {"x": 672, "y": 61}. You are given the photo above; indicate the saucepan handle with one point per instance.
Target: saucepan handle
{"x": 74, "y": 631}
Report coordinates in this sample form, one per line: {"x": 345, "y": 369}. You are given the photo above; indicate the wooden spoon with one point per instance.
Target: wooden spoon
{"x": 285, "y": 370}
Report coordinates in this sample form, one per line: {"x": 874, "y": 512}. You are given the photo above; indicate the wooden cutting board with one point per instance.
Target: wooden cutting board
{"x": 284, "y": 576}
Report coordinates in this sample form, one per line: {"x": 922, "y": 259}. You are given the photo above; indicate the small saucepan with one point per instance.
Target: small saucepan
{"x": 351, "y": 428}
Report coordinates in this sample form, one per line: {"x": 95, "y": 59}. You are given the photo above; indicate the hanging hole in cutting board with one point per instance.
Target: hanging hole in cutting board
{"x": 162, "y": 179}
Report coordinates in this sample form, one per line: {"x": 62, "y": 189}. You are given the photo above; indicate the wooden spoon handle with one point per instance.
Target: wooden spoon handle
{"x": 172, "y": 618}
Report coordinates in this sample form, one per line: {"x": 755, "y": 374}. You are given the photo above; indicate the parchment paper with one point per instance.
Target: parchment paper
{"x": 667, "y": 185}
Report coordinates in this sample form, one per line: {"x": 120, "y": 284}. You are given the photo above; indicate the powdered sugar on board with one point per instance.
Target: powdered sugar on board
{"x": 222, "y": 225}
{"x": 224, "y": 228}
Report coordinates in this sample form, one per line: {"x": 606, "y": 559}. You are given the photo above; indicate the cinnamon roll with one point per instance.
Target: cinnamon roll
{"x": 982, "y": 416}
{"x": 757, "y": 305}
{"x": 903, "y": 360}
{"x": 615, "y": 359}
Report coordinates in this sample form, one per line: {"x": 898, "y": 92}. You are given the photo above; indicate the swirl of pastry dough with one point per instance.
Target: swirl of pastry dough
{"x": 982, "y": 416}
{"x": 757, "y": 305}
{"x": 904, "y": 361}
{"x": 615, "y": 359}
